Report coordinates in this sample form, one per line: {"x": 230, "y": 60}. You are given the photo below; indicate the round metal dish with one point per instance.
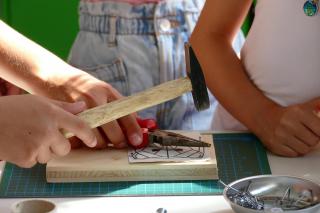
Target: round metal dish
{"x": 272, "y": 190}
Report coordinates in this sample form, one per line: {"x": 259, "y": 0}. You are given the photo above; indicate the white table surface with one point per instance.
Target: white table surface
{"x": 306, "y": 167}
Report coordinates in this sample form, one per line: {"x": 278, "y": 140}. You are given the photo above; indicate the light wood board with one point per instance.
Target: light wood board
{"x": 110, "y": 165}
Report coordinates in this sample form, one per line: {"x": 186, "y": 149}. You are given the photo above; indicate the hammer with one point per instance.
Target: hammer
{"x": 195, "y": 82}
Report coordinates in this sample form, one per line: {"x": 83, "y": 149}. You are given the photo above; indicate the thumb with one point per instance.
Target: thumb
{"x": 73, "y": 108}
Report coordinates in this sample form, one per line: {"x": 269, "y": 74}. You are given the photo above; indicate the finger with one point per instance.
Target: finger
{"x": 24, "y": 161}
{"x": 114, "y": 94}
{"x": 132, "y": 130}
{"x": 306, "y": 135}
{"x": 312, "y": 122}
{"x": 283, "y": 150}
{"x": 298, "y": 146}
{"x": 44, "y": 155}
{"x": 115, "y": 134}
{"x": 60, "y": 146}
{"x": 73, "y": 108}
{"x": 79, "y": 128}
{"x": 102, "y": 140}
{"x": 27, "y": 164}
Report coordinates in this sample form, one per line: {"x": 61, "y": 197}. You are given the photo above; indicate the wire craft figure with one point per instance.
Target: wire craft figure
{"x": 156, "y": 152}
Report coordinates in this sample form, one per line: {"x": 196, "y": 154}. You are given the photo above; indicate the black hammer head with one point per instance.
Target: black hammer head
{"x": 194, "y": 72}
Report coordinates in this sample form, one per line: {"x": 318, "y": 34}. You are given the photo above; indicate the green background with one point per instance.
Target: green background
{"x": 51, "y": 23}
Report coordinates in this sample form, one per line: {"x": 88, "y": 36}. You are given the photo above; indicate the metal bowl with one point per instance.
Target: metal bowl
{"x": 277, "y": 193}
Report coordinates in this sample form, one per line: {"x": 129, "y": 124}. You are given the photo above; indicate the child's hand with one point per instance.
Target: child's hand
{"x": 40, "y": 72}
{"x": 30, "y": 129}
{"x": 70, "y": 84}
{"x": 295, "y": 130}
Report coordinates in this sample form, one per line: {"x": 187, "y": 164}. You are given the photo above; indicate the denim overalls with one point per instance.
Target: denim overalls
{"x": 135, "y": 47}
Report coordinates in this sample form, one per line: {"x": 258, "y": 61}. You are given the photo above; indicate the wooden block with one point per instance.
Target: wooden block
{"x": 110, "y": 165}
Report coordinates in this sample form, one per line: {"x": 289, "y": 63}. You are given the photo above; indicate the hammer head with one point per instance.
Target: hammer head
{"x": 194, "y": 72}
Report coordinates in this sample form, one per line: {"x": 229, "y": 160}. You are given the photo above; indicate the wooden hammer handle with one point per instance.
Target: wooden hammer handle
{"x": 156, "y": 95}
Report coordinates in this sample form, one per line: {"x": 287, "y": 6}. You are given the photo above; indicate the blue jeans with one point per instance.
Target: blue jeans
{"x": 135, "y": 47}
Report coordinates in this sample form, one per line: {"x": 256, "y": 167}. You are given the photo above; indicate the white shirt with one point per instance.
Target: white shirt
{"x": 281, "y": 56}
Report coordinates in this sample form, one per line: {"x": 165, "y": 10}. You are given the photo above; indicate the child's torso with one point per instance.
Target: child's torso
{"x": 282, "y": 51}
{"x": 281, "y": 56}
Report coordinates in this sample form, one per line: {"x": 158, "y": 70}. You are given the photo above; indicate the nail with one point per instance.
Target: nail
{"x": 94, "y": 142}
{"x": 135, "y": 139}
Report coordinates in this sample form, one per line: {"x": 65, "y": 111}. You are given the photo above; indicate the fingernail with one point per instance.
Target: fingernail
{"x": 94, "y": 143}
{"x": 135, "y": 139}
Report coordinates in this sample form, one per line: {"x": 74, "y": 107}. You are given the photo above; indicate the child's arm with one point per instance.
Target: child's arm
{"x": 40, "y": 72}
{"x": 287, "y": 131}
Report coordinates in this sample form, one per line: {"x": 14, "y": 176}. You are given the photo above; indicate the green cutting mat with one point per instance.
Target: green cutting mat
{"x": 238, "y": 155}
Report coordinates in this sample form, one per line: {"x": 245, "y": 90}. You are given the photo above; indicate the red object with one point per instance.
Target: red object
{"x": 149, "y": 123}
{"x": 146, "y": 126}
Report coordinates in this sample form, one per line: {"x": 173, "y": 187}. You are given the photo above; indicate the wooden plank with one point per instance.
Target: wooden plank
{"x": 112, "y": 165}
